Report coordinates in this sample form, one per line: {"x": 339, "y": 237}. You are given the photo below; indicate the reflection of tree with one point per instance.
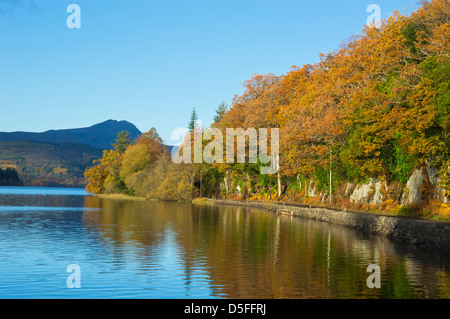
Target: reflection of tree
{"x": 249, "y": 253}
{"x": 125, "y": 226}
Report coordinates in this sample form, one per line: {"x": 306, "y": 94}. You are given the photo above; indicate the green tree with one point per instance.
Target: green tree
{"x": 192, "y": 121}
{"x": 123, "y": 140}
{"x": 221, "y": 110}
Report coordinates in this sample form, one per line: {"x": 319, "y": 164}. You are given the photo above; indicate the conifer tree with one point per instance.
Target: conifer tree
{"x": 192, "y": 121}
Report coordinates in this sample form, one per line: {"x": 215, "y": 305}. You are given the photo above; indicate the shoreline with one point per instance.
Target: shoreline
{"x": 426, "y": 234}
{"x": 121, "y": 196}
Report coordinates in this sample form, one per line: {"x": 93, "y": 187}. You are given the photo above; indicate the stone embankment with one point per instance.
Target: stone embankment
{"x": 427, "y": 234}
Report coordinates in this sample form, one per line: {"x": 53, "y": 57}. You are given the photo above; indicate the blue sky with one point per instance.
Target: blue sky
{"x": 150, "y": 62}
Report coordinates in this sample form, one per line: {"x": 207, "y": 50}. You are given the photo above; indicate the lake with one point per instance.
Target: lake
{"x": 166, "y": 250}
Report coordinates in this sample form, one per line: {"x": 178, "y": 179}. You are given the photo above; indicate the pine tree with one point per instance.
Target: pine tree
{"x": 221, "y": 110}
{"x": 123, "y": 140}
{"x": 193, "y": 120}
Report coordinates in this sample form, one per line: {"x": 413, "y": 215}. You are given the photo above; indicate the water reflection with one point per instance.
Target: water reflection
{"x": 140, "y": 249}
{"x": 247, "y": 253}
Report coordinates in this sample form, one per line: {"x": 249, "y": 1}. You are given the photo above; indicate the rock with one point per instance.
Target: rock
{"x": 368, "y": 193}
{"x": 415, "y": 182}
{"x": 312, "y": 189}
{"x": 378, "y": 196}
{"x": 435, "y": 181}
{"x": 348, "y": 189}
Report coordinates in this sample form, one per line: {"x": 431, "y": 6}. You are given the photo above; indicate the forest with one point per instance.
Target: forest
{"x": 375, "y": 112}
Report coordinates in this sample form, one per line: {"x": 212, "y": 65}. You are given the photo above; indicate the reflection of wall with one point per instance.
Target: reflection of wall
{"x": 250, "y": 253}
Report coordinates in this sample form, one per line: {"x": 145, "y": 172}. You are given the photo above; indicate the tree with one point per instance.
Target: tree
{"x": 256, "y": 108}
{"x": 376, "y": 107}
{"x": 221, "y": 110}
{"x": 193, "y": 120}
{"x": 178, "y": 183}
{"x": 95, "y": 178}
{"x": 135, "y": 159}
{"x": 123, "y": 140}
{"x": 137, "y": 169}
{"x": 153, "y": 142}
{"x": 104, "y": 175}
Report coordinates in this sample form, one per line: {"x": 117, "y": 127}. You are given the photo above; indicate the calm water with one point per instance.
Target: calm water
{"x": 135, "y": 249}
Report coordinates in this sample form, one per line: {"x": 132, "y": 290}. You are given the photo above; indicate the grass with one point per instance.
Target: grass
{"x": 122, "y": 197}
{"x": 440, "y": 218}
{"x": 201, "y": 201}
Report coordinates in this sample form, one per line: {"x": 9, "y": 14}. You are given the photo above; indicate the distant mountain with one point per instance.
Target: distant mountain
{"x": 48, "y": 164}
{"x": 99, "y": 136}
{"x": 58, "y": 157}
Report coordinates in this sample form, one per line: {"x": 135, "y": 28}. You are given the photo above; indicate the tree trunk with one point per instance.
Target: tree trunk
{"x": 201, "y": 180}
{"x": 279, "y": 184}
{"x": 225, "y": 179}
{"x": 270, "y": 187}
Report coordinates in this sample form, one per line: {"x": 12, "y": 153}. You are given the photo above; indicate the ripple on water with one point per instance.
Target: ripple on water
{"x": 128, "y": 249}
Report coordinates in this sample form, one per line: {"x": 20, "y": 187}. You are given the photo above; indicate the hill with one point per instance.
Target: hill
{"x": 58, "y": 157}
{"x": 98, "y": 136}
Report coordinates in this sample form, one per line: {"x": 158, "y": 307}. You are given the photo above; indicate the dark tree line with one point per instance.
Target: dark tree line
{"x": 9, "y": 177}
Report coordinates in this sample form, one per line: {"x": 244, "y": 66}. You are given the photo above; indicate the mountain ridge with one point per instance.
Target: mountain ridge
{"x": 99, "y": 135}
{"x": 59, "y": 157}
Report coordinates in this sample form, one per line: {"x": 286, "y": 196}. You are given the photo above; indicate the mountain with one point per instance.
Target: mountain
{"x": 99, "y": 136}
{"x": 58, "y": 157}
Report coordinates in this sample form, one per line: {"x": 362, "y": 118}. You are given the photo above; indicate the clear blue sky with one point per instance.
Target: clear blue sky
{"x": 150, "y": 62}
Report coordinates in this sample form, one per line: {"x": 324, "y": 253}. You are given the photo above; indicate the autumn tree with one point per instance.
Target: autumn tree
{"x": 104, "y": 176}
{"x": 146, "y": 150}
{"x": 255, "y": 108}
{"x": 376, "y": 107}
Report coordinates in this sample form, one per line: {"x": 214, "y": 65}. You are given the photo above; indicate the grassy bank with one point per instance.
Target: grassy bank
{"x": 123, "y": 197}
